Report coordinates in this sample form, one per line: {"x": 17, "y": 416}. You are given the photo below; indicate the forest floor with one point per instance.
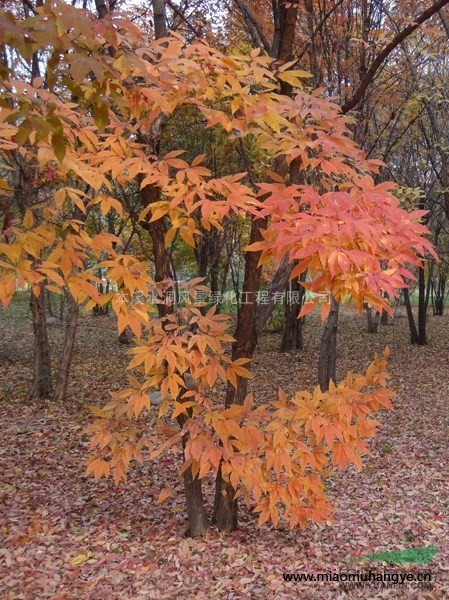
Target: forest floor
{"x": 64, "y": 536}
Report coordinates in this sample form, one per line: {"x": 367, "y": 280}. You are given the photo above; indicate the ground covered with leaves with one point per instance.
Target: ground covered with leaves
{"x": 64, "y": 536}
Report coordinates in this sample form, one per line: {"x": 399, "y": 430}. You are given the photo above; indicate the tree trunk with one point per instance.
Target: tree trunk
{"x": 196, "y": 512}
{"x": 49, "y": 303}
{"x": 372, "y": 319}
{"x": 328, "y": 349}
{"x": 438, "y": 294}
{"x": 102, "y": 8}
{"x": 160, "y": 20}
{"x": 277, "y": 284}
{"x": 123, "y": 337}
{"x": 41, "y": 386}
{"x": 292, "y": 336}
{"x": 414, "y": 338}
{"x": 225, "y": 509}
{"x": 422, "y": 309}
{"x": 61, "y": 307}
{"x": 67, "y": 350}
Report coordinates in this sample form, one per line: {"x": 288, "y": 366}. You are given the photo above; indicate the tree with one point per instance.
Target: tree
{"x": 97, "y": 121}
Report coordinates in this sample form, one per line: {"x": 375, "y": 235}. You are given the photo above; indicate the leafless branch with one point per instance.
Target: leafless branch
{"x": 395, "y": 42}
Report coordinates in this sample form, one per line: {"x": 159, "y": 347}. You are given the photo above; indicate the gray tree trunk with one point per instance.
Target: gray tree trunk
{"x": 67, "y": 351}
{"x": 41, "y": 386}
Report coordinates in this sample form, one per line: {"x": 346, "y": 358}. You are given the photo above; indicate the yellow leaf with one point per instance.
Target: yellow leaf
{"x": 187, "y": 236}
{"x": 28, "y": 220}
{"x": 294, "y": 77}
{"x": 60, "y": 197}
{"x": 81, "y": 558}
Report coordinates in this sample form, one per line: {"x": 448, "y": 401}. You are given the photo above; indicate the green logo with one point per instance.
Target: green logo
{"x": 411, "y": 555}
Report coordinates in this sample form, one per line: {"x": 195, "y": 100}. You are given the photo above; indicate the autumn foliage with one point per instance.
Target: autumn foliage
{"x": 91, "y": 122}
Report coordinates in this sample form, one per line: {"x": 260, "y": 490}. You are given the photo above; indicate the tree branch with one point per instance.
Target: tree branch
{"x": 444, "y": 22}
{"x": 28, "y": 5}
{"x": 182, "y": 16}
{"x": 318, "y": 28}
{"x": 253, "y": 24}
{"x": 395, "y": 42}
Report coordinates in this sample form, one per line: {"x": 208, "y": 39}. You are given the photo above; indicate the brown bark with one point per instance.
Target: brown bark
{"x": 282, "y": 275}
{"x": 67, "y": 350}
{"x": 49, "y": 303}
{"x": 157, "y": 230}
{"x": 438, "y": 293}
{"x": 196, "y": 512}
{"x": 41, "y": 386}
{"x": 246, "y": 335}
{"x": 193, "y": 487}
{"x": 284, "y": 33}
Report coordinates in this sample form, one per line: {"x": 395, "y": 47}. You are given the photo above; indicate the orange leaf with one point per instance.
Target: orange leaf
{"x": 164, "y": 495}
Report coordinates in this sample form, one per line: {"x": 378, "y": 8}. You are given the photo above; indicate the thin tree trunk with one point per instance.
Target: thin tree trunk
{"x": 225, "y": 509}
{"x": 41, "y": 386}
{"x": 292, "y": 336}
{"x": 277, "y": 284}
{"x": 414, "y": 337}
{"x": 67, "y": 350}
{"x": 198, "y": 521}
{"x": 49, "y": 303}
{"x": 61, "y": 307}
{"x": 193, "y": 488}
{"x": 438, "y": 293}
{"x": 225, "y": 506}
{"x": 328, "y": 348}
{"x": 123, "y": 337}
{"x": 196, "y": 512}
{"x": 372, "y": 319}
{"x": 160, "y": 20}
{"x": 422, "y": 309}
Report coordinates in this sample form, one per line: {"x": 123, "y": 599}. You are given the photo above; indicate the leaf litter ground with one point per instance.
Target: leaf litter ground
{"x": 63, "y": 536}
